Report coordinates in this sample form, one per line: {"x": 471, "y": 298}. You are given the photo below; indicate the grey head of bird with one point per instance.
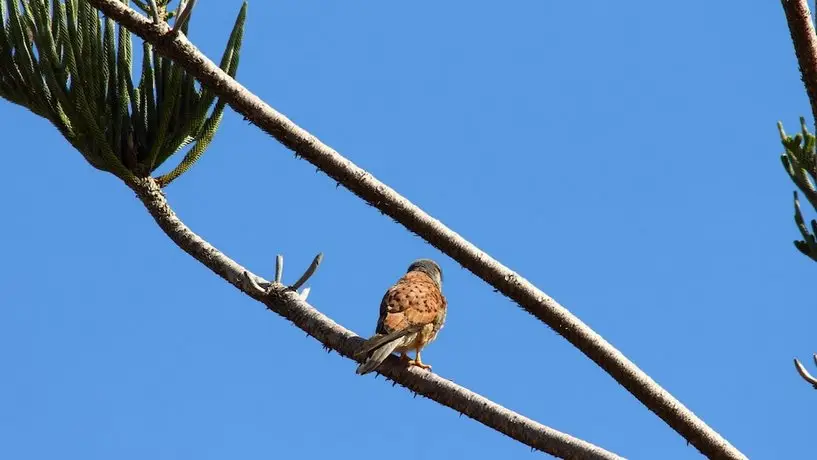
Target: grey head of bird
{"x": 430, "y": 268}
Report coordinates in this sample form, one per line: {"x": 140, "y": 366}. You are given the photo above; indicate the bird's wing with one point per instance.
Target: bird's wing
{"x": 379, "y": 340}
{"x": 384, "y": 310}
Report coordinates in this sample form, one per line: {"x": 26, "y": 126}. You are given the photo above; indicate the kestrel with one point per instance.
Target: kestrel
{"x": 411, "y": 314}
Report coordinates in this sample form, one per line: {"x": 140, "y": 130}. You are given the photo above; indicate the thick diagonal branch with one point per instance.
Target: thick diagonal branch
{"x": 378, "y": 194}
{"x": 287, "y": 303}
{"x": 803, "y": 37}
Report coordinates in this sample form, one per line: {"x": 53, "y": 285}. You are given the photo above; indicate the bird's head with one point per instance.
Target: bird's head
{"x": 430, "y": 268}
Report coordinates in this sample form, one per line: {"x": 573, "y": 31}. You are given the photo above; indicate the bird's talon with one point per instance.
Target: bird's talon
{"x": 420, "y": 364}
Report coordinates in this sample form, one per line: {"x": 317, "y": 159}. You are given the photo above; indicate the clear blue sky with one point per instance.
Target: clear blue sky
{"x": 621, "y": 156}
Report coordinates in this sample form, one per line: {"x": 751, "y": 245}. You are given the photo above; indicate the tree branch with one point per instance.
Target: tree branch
{"x": 804, "y": 373}
{"x": 799, "y": 160}
{"x": 384, "y": 198}
{"x": 307, "y": 274}
{"x": 287, "y": 303}
{"x": 805, "y": 46}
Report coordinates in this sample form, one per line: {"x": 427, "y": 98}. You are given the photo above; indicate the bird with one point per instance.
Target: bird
{"x": 412, "y": 313}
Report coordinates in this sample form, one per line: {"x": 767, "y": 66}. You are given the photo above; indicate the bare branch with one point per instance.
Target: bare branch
{"x": 804, "y": 373}
{"x": 279, "y": 268}
{"x": 801, "y": 28}
{"x": 289, "y": 304}
{"x": 155, "y": 11}
{"x": 380, "y": 195}
{"x": 186, "y": 8}
{"x": 308, "y": 273}
{"x": 251, "y": 285}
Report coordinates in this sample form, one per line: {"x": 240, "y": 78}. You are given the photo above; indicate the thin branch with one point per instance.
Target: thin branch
{"x": 308, "y": 273}
{"x": 801, "y": 28}
{"x": 186, "y": 8}
{"x": 804, "y": 373}
{"x": 289, "y": 304}
{"x": 384, "y": 198}
{"x": 279, "y": 268}
{"x": 252, "y": 284}
{"x": 155, "y": 11}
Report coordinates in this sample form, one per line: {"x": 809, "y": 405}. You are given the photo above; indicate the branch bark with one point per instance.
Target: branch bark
{"x": 803, "y": 36}
{"x": 287, "y": 303}
{"x": 381, "y": 196}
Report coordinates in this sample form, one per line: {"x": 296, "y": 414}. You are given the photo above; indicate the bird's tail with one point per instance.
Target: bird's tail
{"x": 378, "y": 356}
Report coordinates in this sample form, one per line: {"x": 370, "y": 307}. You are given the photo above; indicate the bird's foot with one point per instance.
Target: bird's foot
{"x": 420, "y": 364}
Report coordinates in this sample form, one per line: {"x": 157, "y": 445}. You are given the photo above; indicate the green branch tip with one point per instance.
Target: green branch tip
{"x": 72, "y": 67}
